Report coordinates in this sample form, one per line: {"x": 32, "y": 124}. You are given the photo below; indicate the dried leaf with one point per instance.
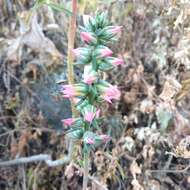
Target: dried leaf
{"x": 129, "y": 144}
{"x": 136, "y": 185}
{"x": 135, "y": 169}
{"x": 13, "y": 147}
{"x": 31, "y": 35}
{"x": 182, "y": 149}
{"x": 23, "y": 141}
{"x": 148, "y": 152}
{"x": 147, "y": 106}
{"x": 154, "y": 184}
{"x": 171, "y": 88}
{"x": 184, "y": 90}
{"x": 14, "y": 50}
{"x": 69, "y": 171}
{"x": 35, "y": 39}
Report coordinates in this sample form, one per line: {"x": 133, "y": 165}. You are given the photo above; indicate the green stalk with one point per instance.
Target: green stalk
{"x": 86, "y": 169}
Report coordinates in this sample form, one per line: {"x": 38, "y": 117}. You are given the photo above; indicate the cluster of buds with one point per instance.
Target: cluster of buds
{"x": 88, "y": 95}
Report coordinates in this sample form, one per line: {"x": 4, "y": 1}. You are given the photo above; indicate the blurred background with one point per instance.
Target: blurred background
{"x": 150, "y": 146}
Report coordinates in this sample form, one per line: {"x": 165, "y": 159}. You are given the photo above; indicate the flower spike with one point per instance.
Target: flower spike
{"x": 87, "y": 95}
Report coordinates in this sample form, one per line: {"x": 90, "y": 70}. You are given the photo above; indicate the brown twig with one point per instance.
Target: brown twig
{"x": 71, "y": 40}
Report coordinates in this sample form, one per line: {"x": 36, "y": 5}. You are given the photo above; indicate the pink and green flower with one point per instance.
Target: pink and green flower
{"x": 88, "y": 37}
{"x": 108, "y": 92}
{"x": 90, "y": 113}
{"x": 89, "y": 75}
{"x": 71, "y": 91}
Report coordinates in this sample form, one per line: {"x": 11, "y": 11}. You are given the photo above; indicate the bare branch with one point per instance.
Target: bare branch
{"x": 25, "y": 160}
{"x": 170, "y": 171}
{"x": 41, "y": 157}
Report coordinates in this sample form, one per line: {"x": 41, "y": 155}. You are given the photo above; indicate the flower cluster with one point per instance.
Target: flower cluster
{"x": 88, "y": 95}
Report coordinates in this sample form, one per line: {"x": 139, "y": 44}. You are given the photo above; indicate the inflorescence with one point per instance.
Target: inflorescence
{"x": 88, "y": 95}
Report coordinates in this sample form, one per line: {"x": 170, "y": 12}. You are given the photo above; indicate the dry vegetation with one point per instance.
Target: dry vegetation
{"x": 150, "y": 126}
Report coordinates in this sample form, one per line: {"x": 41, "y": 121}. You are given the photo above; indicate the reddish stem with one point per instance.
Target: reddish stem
{"x": 71, "y": 40}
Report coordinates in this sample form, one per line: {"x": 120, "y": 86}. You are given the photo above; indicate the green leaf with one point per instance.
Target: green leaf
{"x": 78, "y": 123}
{"x": 59, "y": 7}
{"x": 164, "y": 117}
{"x": 103, "y": 66}
{"x": 55, "y": 6}
{"x": 82, "y": 103}
{"x": 87, "y": 135}
{"x": 76, "y": 134}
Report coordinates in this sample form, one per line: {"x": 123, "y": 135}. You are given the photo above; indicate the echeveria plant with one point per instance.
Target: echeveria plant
{"x": 92, "y": 90}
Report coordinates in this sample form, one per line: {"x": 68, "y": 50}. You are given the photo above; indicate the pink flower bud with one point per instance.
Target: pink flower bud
{"x": 89, "y": 116}
{"x": 81, "y": 53}
{"x": 68, "y": 122}
{"x": 110, "y": 31}
{"x": 115, "y": 61}
{"x": 89, "y": 79}
{"x": 105, "y": 138}
{"x": 70, "y": 91}
{"x": 89, "y": 75}
{"x": 77, "y": 52}
{"x": 88, "y": 37}
{"x": 90, "y": 141}
{"x": 118, "y": 61}
{"x": 114, "y": 29}
{"x": 109, "y": 92}
{"x": 89, "y": 113}
{"x": 106, "y": 52}
{"x": 103, "y": 51}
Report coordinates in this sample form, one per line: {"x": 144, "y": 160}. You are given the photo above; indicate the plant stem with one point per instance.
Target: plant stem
{"x": 71, "y": 40}
{"x": 86, "y": 166}
{"x": 70, "y": 70}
